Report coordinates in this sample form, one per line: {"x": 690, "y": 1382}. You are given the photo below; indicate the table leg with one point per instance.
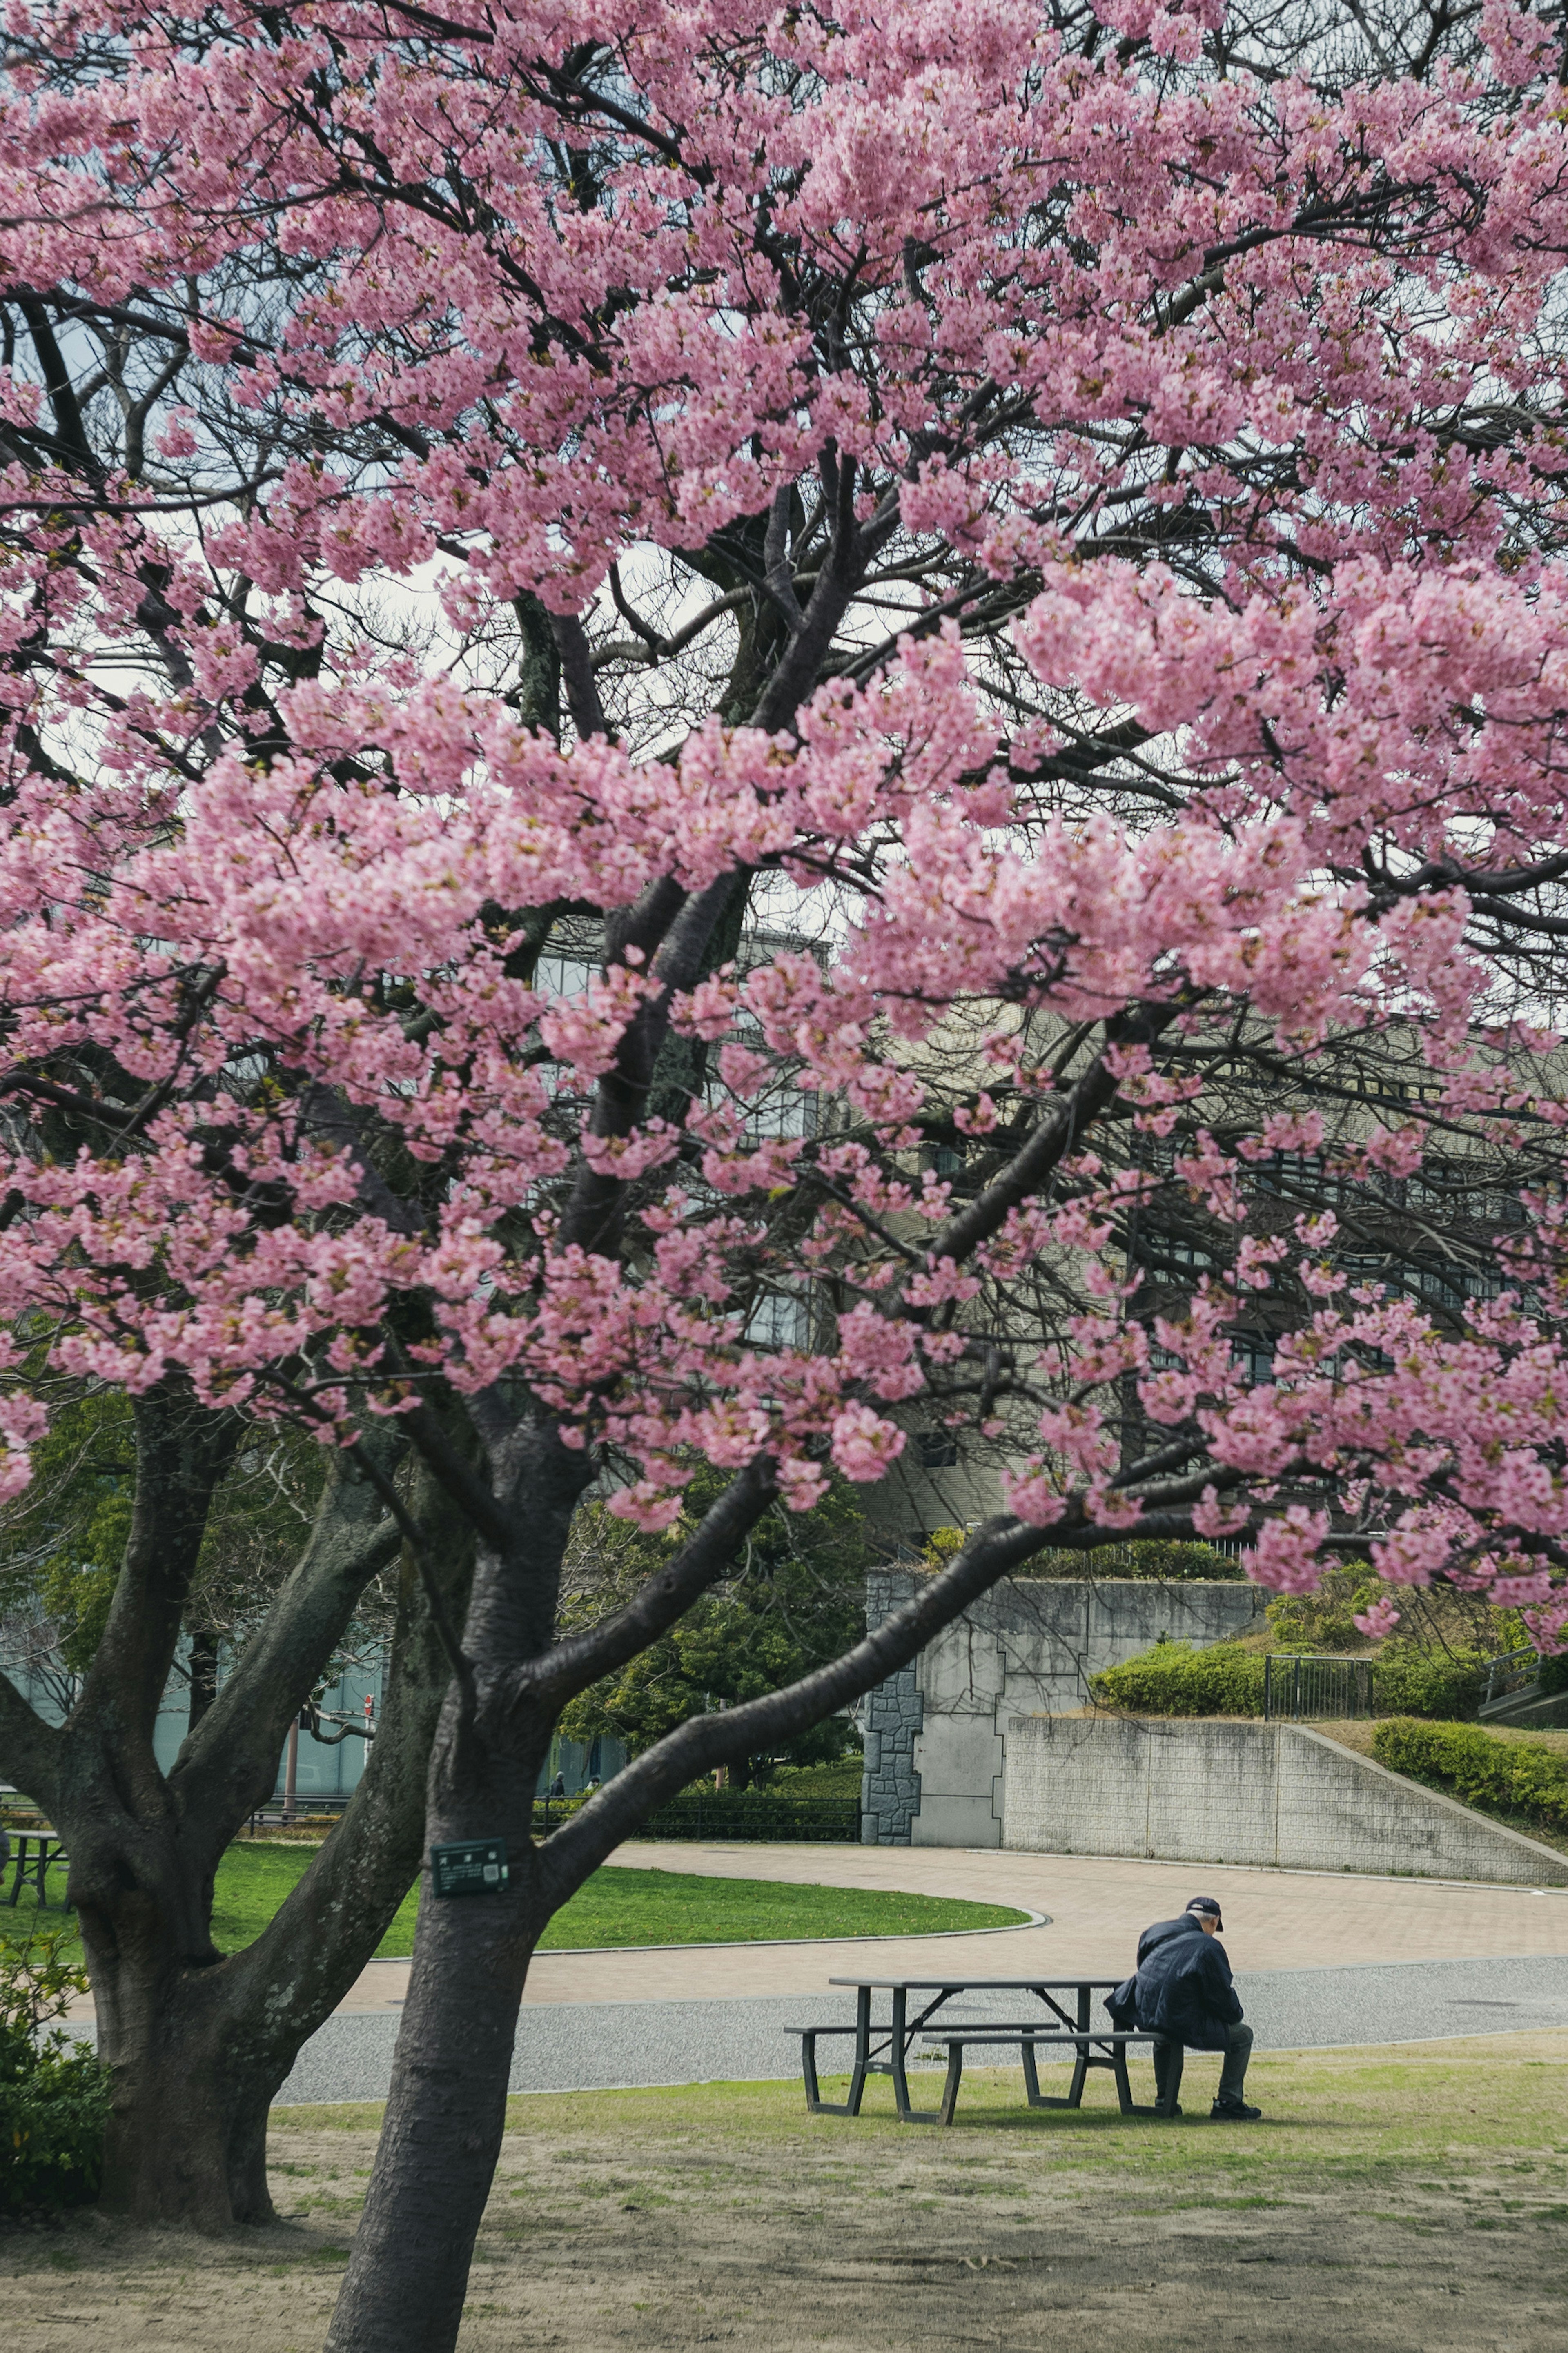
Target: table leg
{"x": 862, "y": 2049}
{"x": 896, "y": 2055}
{"x": 950, "y": 2088}
{"x": 21, "y": 1866}
{"x": 809, "y": 2075}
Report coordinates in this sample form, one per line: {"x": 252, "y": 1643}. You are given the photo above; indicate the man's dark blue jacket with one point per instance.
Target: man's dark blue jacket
{"x": 1183, "y": 1985}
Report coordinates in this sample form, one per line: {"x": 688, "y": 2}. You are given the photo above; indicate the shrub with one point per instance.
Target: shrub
{"x": 1175, "y": 1679}
{"x": 1511, "y": 1777}
{"x": 755, "y": 1814}
{"x": 1325, "y": 1619}
{"x": 1153, "y": 1557}
{"x": 54, "y": 2094}
{"x": 1409, "y": 1680}
{"x": 1553, "y": 1675}
{"x": 705, "y": 1812}
{"x": 1143, "y": 1556}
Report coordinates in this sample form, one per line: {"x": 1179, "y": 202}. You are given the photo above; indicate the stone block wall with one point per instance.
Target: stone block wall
{"x": 936, "y": 1733}
{"x": 893, "y": 1716}
{"x": 1221, "y": 1791}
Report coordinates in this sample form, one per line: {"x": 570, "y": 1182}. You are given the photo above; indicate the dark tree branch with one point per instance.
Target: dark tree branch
{"x": 992, "y": 1552}
{"x": 31, "y": 1751}
{"x": 183, "y": 1450}
{"x": 581, "y": 1659}
{"x": 1051, "y": 1142}
{"x": 577, "y": 675}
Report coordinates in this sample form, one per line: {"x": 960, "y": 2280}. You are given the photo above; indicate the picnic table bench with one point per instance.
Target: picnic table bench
{"x": 37, "y": 1853}
{"x": 883, "y": 2049}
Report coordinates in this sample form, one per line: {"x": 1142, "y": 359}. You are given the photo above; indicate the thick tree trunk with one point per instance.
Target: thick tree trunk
{"x": 198, "y": 2042}
{"x": 441, "y": 2138}
{"x": 202, "y": 1668}
{"x": 187, "y": 2136}
{"x": 409, "y": 2271}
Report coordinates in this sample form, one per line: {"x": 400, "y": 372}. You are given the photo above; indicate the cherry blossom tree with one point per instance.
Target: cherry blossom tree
{"x": 1057, "y": 513}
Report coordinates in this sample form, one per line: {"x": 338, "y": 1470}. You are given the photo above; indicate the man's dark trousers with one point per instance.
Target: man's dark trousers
{"x": 1233, "y": 2074}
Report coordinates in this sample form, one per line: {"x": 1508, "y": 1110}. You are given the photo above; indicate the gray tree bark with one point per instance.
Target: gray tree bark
{"x": 198, "y": 2041}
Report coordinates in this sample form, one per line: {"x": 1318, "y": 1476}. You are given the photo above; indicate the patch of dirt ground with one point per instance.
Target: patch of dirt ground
{"x": 1414, "y": 2200}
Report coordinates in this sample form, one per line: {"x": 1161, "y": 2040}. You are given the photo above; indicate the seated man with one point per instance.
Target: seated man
{"x": 1184, "y": 1989}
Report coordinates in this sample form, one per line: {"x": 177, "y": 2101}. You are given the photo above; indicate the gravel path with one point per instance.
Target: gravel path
{"x": 594, "y": 2046}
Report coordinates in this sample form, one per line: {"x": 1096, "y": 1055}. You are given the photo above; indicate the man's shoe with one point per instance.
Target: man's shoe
{"x": 1233, "y": 2112}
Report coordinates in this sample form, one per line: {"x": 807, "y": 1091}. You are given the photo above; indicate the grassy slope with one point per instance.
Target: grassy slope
{"x": 1359, "y": 1735}
{"x": 617, "y": 1907}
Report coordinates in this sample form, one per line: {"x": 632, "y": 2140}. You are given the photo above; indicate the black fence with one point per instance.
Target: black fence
{"x": 738, "y": 1814}
{"x": 1300, "y": 1687}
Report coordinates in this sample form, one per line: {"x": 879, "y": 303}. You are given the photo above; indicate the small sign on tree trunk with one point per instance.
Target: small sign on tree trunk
{"x": 473, "y": 1867}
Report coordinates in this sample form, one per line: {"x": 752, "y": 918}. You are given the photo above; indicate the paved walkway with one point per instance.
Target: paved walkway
{"x": 1274, "y": 1920}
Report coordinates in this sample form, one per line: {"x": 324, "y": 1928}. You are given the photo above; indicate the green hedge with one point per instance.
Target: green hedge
{"x": 1445, "y": 1686}
{"x": 54, "y": 2096}
{"x": 1519, "y": 1777}
{"x": 1173, "y": 1679}
{"x": 1143, "y": 1556}
{"x": 759, "y": 1814}
{"x": 1226, "y": 1679}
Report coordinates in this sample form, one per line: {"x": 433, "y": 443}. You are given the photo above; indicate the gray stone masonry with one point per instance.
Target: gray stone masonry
{"x": 894, "y": 1712}
{"x": 935, "y": 1733}
{"x": 1224, "y": 1791}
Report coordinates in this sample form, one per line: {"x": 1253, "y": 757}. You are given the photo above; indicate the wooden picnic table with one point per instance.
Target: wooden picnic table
{"x": 35, "y": 1854}
{"x": 883, "y": 2049}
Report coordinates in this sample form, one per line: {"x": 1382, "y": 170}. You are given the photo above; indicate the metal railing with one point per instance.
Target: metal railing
{"x": 1300, "y": 1685}
{"x": 1509, "y": 1673}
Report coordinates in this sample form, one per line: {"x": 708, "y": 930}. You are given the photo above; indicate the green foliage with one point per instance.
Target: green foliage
{"x": 794, "y": 1598}
{"x": 1553, "y": 1675}
{"x": 61, "y": 1540}
{"x": 1175, "y": 1679}
{"x": 1226, "y": 1679}
{"x": 1436, "y": 1669}
{"x": 1326, "y": 1621}
{"x": 756, "y": 1814}
{"x": 1143, "y": 1556}
{"x": 839, "y": 1779}
{"x": 1409, "y": 1678}
{"x": 1522, "y": 1778}
{"x": 1429, "y": 1664}
{"x": 54, "y": 2096}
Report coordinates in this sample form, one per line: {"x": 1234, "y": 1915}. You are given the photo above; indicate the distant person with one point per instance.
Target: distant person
{"x": 1184, "y": 1989}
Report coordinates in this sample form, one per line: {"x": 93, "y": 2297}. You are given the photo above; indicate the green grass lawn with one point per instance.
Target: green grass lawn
{"x": 617, "y": 1907}
{"x": 1460, "y": 2117}
{"x": 1404, "y": 2200}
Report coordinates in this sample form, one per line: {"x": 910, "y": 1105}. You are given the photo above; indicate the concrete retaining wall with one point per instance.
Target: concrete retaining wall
{"x": 1238, "y": 1792}
{"x": 935, "y": 1733}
